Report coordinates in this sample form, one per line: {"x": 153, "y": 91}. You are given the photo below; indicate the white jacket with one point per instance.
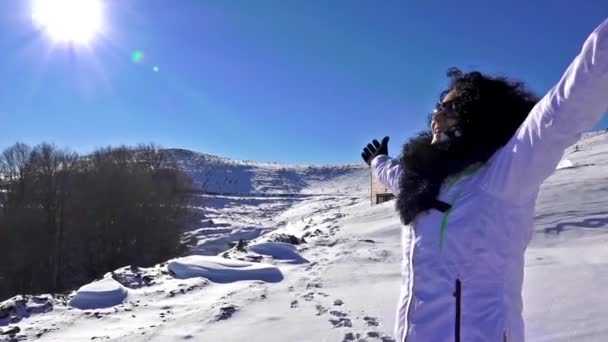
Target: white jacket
{"x": 467, "y": 280}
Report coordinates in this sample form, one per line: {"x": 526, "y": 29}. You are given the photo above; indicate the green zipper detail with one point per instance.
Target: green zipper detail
{"x": 444, "y": 222}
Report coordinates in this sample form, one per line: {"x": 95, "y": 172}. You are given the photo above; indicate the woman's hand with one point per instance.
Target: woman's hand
{"x": 374, "y": 149}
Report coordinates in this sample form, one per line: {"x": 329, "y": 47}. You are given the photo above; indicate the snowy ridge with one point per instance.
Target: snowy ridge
{"x": 326, "y": 266}
{"x": 233, "y": 177}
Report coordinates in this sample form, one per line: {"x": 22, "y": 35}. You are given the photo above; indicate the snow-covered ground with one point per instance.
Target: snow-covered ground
{"x": 566, "y": 285}
{"x": 304, "y": 257}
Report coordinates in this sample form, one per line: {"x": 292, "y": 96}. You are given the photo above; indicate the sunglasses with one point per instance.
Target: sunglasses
{"x": 447, "y": 109}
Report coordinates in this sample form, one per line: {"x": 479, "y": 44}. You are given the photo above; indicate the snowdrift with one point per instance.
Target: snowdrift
{"x": 279, "y": 251}
{"x": 104, "y": 293}
{"x": 565, "y": 164}
{"x": 221, "y": 270}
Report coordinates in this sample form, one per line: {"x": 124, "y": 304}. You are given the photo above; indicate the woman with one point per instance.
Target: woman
{"x": 467, "y": 189}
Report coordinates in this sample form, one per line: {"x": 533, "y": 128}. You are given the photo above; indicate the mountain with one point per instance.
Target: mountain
{"x": 236, "y": 177}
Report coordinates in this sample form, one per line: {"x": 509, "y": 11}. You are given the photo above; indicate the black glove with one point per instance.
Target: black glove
{"x": 374, "y": 149}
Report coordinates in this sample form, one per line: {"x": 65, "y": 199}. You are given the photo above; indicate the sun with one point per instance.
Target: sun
{"x": 69, "y": 21}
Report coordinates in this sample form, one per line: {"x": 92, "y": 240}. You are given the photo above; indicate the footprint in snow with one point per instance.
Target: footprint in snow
{"x": 381, "y": 255}
{"x": 321, "y": 310}
{"x": 327, "y": 243}
{"x": 312, "y": 265}
{"x": 338, "y": 313}
{"x": 314, "y": 286}
{"x": 371, "y": 321}
{"x": 351, "y": 337}
{"x": 309, "y": 296}
{"x": 294, "y": 304}
{"x": 341, "y": 322}
{"x": 163, "y": 315}
{"x": 370, "y": 334}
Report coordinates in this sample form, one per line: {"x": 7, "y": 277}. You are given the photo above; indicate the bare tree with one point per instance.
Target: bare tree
{"x": 65, "y": 219}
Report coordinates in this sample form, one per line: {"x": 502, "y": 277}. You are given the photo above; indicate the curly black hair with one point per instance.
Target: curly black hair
{"x": 489, "y": 108}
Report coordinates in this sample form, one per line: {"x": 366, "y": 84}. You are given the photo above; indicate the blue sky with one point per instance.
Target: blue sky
{"x": 271, "y": 80}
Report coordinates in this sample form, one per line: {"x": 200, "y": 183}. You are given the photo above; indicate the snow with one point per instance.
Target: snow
{"x": 229, "y": 177}
{"x": 348, "y": 289}
{"x": 564, "y": 164}
{"x": 221, "y": 270}
{"x": 567, "y": 261}
{"x": 103, "y": 293}
{"x": 19, "y": 307}
{"x": 279, "y": 251}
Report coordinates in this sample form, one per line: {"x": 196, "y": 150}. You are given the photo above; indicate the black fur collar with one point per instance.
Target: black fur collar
{"x": 426, "y": 166}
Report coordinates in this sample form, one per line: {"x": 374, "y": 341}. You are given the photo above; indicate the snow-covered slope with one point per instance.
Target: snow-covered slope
{"x": 339, "y": 278}
{"x": 242, "y": 200}
{"x": 235, "y": 177}
{"x": 566, "y": 285}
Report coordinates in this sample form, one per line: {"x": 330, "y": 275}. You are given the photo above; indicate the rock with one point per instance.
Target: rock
{"x": 287, "y": 238}
{"x": 252, "y": 258}
{"x": 134, "y": 277}
{"x": 240, "y": 246}
{"x": 226, "y": 312}
{"x": 21, "y": 306}
{"x": 5, "y": 311}
{"x": 11, "y": 331}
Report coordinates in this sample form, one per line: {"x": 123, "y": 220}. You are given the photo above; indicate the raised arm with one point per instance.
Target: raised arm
{"x": 388, "y": 172}
{"x": 386, "y": 169}
{"x": 575, "y": 104}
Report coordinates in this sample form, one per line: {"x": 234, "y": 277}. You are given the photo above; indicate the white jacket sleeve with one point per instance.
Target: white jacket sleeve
{"x": 575, "y": 104}
{"x": 388, "y": 172}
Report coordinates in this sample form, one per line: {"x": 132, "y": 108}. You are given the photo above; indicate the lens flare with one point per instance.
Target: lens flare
{"x": 137, "y": 57}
